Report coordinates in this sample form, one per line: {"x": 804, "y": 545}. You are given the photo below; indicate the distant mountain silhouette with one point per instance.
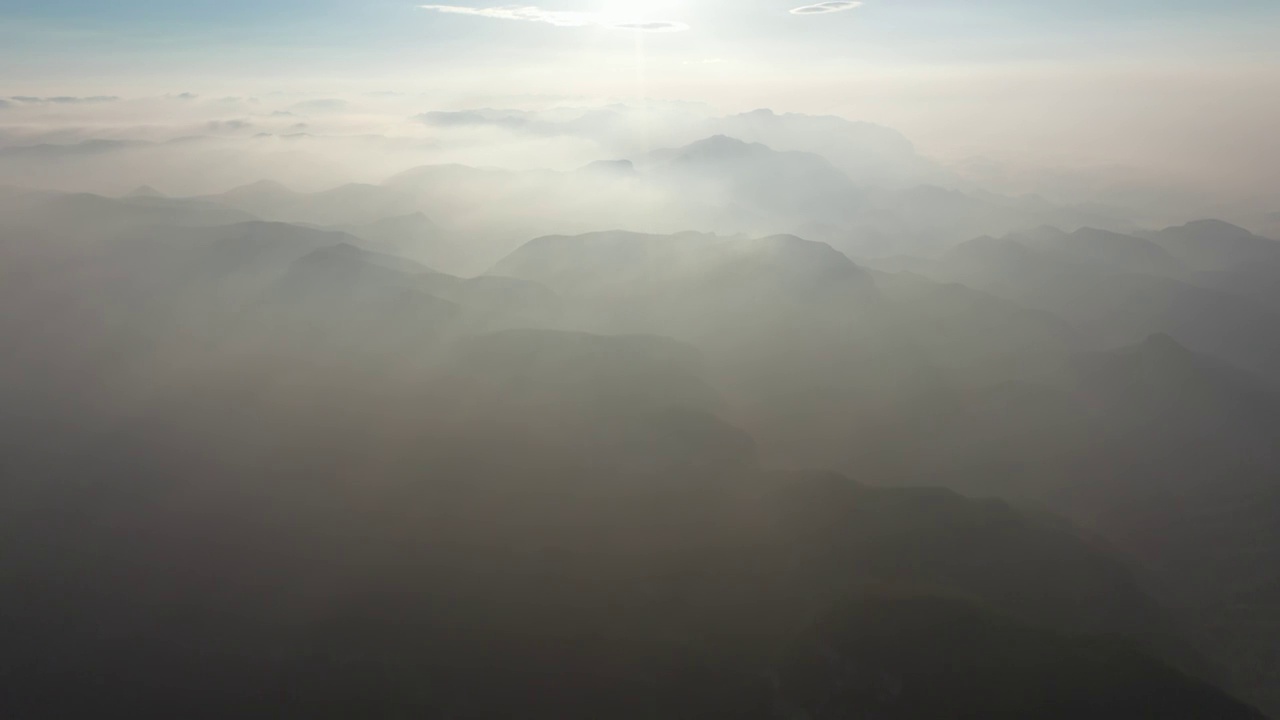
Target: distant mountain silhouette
{"x": 86, "y": 214}
{"x": 703, "y": 271}
{"x": 261, "y": 198}
{"x": 784, "y": 184}
{"x": 50, "y": 151}
{"x": 871, "y": 154}
{"x": 1111, "y": 308}
{"x": 1114, "y": 251}
{"x": 413, "y": 235}
{"x": 1217, "y": 245}
{"x": 145, "y": 191}
{"x": 618, "y": 167}
{"x": 350, "y": 204}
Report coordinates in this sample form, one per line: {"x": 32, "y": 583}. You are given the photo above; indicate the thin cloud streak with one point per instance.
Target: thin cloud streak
{"x": 827, "y": 7}
{"x": 560, "y": 18}
{"x": 63, "y": 100}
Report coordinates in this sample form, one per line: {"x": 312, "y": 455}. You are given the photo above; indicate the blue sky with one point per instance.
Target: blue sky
{"x": 50, "y": 36}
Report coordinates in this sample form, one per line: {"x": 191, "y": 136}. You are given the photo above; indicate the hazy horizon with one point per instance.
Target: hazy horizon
{"x": 1172, "y": 103}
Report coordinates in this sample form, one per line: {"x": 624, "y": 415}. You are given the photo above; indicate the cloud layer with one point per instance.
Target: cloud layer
{"x": 827, "y": 7}
{"x": 560, "y": 18}
{"x": 62, "y": 100}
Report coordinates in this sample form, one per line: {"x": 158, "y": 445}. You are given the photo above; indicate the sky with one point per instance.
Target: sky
{"x": 75, "y": 43}
{"x": 1172, "y": 85}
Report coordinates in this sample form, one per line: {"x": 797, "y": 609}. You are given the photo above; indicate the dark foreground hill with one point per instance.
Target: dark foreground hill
{"x": 256, "y": 471}
{"x": 476, "y": 589}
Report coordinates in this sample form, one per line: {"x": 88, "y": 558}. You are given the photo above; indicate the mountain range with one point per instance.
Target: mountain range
{"x": 780, "y": 421}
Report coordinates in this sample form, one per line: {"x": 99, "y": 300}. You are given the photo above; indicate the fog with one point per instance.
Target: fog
{"x": 716, "y": 371}
{"x": 1031, "y": 134}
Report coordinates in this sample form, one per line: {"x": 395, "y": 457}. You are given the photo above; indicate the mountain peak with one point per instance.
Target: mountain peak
{"x": 611, "y": 167}
{"x": 1214, "y": 225}
{"x": 146, "y": 191}
{"x": 719, "y": 140}
{"x": 718, "y": 146}
{"x": 1212, "y": 230}
{"x": 1217, "y": 245}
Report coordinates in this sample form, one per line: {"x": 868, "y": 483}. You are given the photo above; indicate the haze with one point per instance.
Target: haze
{"x": 617, "y": 360}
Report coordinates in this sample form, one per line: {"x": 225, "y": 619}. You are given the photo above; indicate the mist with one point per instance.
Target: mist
{"x": 618, "y": 360}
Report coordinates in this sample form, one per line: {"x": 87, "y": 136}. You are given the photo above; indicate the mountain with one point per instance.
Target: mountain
{"x": 258, "y": 469}
{"x": 1227, "y": 259}
{"x": 816, "y": 349}
{"x": 739, "y": 607}
{"x": 979, "y": 338}
{"x": 413, "y": 235}
{"x": 611, "y": 167}
{"x": 490, "y": 304}
{"x": 1217, "y": 245}
{"x": 350, "y": 204}
{"x": 53, "y": 151}
{"x": 340, "y": 302}
{"x": 1155, "y": 402}
{"x": 1167, "y": 454}
{"x": 593, "y": 200}
{"x": 1111, "y": 308}
{"x": 88, "y": 216}
{"x": 927, "y": 220}
{"x": 1255, "y": 281}
{"x": 263, "y": 198}
{"x": 120, "y": 315}
{"x": 145, "y": 191}
{"x": 725, "y": 186}
{"x": 871, "y": 154}
{"x": 596, "y": 261}
{"x": 1114, "y": 251}
{"x": 943, "y": 384}
{"x": 782, "y": 185}
{"x": 690, "y": 285}
{"x": 936, "y": 657}
{"x": 617, "y": 401}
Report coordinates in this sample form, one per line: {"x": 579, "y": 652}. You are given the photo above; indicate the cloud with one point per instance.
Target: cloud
{"x": 219, "y": 126}
{"x": 46, "y": 151}
{"x": 63, "y": 100}
{"x": 512, "y": 120}
{"x": 529, "y": 14}
{"x": 827, "y": 7}
{"x": 560, "y": 18}
{"x": 321, "y": 105}
{"x": 571, "y": 122}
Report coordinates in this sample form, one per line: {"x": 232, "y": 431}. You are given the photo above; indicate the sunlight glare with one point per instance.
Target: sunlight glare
{"x": 640, "y": 10}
